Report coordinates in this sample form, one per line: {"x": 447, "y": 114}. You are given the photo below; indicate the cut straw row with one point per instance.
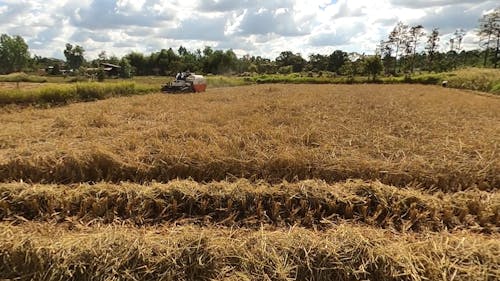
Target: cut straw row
{"x": 97, "y": 166}
{"x": 311, "y": 204}
{"x": 44, "y": 252}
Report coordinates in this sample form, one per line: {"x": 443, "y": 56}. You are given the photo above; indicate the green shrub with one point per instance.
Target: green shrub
{"x": 225, "y": 81}
{"x": 496, "y": 89}
{"x": 477, "y": 79}
{"x": 294, "y": 79}
{"x": 101, "y": 75}
{"x": 427, "y": 79}
{"x": 76, "y": 79}
{"x": 97, "y": 91}
{"x": 89, "y": 91}
{"x": 145, "y": 88}
{"x": 120, "y": 89}
{"x": 285, "y": 69}
{"x": 56, "y": 94}
{"x": 13, "y": 96}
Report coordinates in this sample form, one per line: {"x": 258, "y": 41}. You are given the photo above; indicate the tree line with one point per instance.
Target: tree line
{"x": 399, "y": 51}
{"x": 406, "y": 49}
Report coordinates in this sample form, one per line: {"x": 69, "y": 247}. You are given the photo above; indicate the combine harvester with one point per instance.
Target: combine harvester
{"x": 186, "y": 83}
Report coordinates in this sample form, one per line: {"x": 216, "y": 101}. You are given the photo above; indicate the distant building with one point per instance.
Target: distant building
{"x": 111, "y": 69}
{"x": 56, "y": 69}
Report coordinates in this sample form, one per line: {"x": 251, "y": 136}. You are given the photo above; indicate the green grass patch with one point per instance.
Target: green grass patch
{"x": 496, "y": 89}
{"x": 227, "y": 81}
{"x": 433, "y": 79}
{"x": 477, "y": 79}
{"x": 151, "y": 80}
{"x": 485, "y": 80}
{"x": 63, "y": 94}
{"x": 291, "y": 79}
{"x": 54, "y": 95}
{"x": 426, "y": 79}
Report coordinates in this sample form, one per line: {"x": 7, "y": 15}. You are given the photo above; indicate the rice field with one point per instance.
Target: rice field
{"x": 260, "y": 182}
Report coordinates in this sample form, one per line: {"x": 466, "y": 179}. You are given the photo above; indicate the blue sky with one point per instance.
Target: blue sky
{"x": 257, "y": 27}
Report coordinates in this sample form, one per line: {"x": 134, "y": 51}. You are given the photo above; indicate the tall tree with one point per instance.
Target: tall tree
{"x": 228, "y": 63}
{"x": 125, "y": 68}
{"x": 74, "y": 56}
{"x": 384, "y": 50}
{"x": 489, "y": 32}
{"x": 406, "y": 56}
{"x": 397, "y": 38}
{"x": 459, "y": 37}
{"x": 352, "y": 65}
{"x": 14, "y": 54}
{"x": 372, "y": 66}
{"x": 102, "y": 57}
{"x": 432, "y": 47}
{"x": 138, "y": 62}
{"x": 263, "y": 65}
{"x": 288, "y": 58}
{"x": 318, "y": 62}
{"x": 336, "y": 60}
{"x": 182, "y": 51}
{"x": 167, "y": 62}
{"x": 415, "y": 33}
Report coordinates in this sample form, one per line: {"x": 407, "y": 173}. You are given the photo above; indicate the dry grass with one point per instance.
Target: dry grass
{"x": 45, "y": 252}
{"x": 21, "y": 85}
{"x": 412, "y": 150}
{"x": 22, "y": 77}
{"x": 59, "y": 94}
{"x": 243, "y": 204}
{"x": 422, "y": 135}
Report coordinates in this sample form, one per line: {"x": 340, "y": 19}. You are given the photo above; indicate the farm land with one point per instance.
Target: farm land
{"x": 253, "y": 182}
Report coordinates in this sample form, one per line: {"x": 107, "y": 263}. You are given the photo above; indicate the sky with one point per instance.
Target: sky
{"x": 258, "y": 27}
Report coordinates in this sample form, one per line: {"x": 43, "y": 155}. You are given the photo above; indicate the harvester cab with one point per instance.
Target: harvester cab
{"x": 186, "y": 82}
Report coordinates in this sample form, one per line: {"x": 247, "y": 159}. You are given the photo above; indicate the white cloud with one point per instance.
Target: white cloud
{"x": 263, "y": 21}
{"x": 198, "y": 27}
{"x": 431, "y": 3}
{"x": 259, "y": 27}
{"x": 342, "y": 35}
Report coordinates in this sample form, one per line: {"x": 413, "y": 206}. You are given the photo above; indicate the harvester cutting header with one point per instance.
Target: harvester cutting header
{"x": 186, "y": 82}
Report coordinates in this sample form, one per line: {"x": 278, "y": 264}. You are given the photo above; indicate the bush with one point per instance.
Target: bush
{"x": 57, "y": 95}
{"x": 77, "y": 79}
{"x": 56, "y": 70}
{"x": 224, "y": 81}
{"x": 285, "y": 69}
{"x": 101, "y": 75}
{"x": 475, "y": 79}
{"x": 496, "y": 89}
{"x": 120, "y": 89}
{"x": 89, "y": 92}
{"x": 426, "y": 79}
{"x": 14, "y": 96}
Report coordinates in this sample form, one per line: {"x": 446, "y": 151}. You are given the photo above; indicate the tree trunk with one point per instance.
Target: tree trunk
{"x": 414, "y": 55}
{"x": 497, "y": 50}
{"x": 487, "y": 52}
{"x": 396, "y": 61}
